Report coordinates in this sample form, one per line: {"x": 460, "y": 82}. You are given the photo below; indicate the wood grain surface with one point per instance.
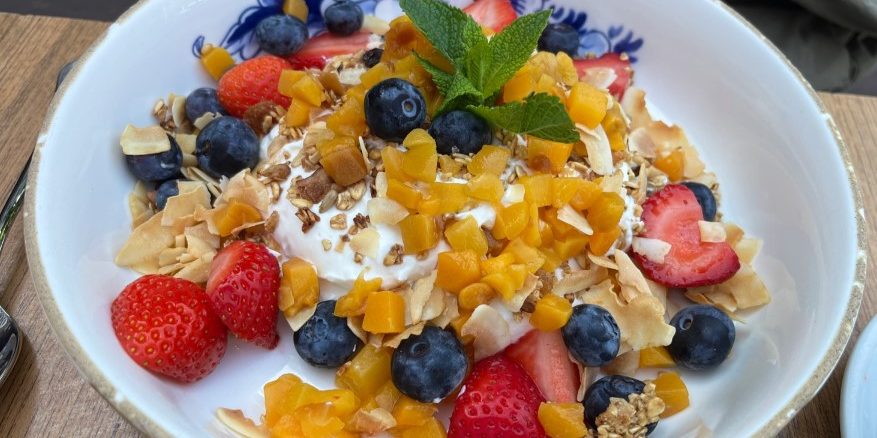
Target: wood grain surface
{"x": 46, "y": 397}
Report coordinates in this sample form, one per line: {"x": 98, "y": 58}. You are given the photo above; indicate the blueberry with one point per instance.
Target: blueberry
{"x": 157, "y": 167}
{"x": 705, "y": 198}
{"x": 226, "y": 146}
{"x": 166, "y": 190}
{"x": 343, "y": 17}
{"x": 203, "y": 101}
{"x": 559, "y": 37}
{"x": 598, "y": 394}
{"x": 591, "y": 335}
{"x": 460, "y": 131}
{"x": 326, "y": 341}
{"x": 429, "y": 366}
{"x": 704, "y": 337}
{"x": 393, "y": 108}
{"x": 372, "y": 57}
{"x": 281, "y": 35}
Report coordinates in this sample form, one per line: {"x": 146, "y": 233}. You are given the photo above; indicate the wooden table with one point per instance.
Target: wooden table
{"x": 45, "y": 396}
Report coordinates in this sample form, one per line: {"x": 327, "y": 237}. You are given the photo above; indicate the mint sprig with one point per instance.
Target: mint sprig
{"x": 482, "y": 67}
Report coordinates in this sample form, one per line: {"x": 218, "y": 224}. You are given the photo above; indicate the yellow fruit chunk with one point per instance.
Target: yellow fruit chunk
{"x": 586, "y": 105}
{"x": 497, "y": 264}
{"x": 234, "y": 215}
{"x": 615, "y": 128}
{"x": 474, "y": 295}
{"x": 309, "y": 90}
{"x": 655, "y": 357}
{"x": 566, "y": 70}
{"x": 551, "y": 313}
{"x": 432, "y": 428}
{"x": 605, "y": 214}
{"x": 563, "y": 420}
{"x": 298, "y": 114}
{"x": 586, "y": 196}
{"x": 384, "y": 313}
{"x": 559, "y": 228}
{"x": 345, "y": 166}
{"x": 537, "y": 189}
{"x": 366, "y": 372}
{"x": 518, "y": 273}
{"x": 449, "y": 165}
{"x": 565, "y": 189}
{"x": 525, "y": 255}
{"x": 317, "y": 420}
{"x": 392, "y": 158}
{"x": 547, "y": 156}
{"x": 409, "y": 412}
{"x": 490, "y": 159}
{"x": 511, "y": 220}
{"x": 418, "y": 233}
{"x": 348, "y": 120}
{"x": 297, "y": 9}
{"x": 283, "y": 396}
{"x": 673, "y": 164}
{"x": 404, "y": 193}
{"x": 343, "y": 401}
{"x": 387, "y": 394}
{"x": 520, "y": 85}
{"x": 600, "y": 242}
{"x": 501, "y": 282}
{"x": 458, "y": 323}
{"x": 421, "y": 160}
{"x": 375, "y": 74}
{"x": 353, "y": 303}
{"x": 486, "y": 187}
{"x": 547, "y": 84}
{"x": 532, "y": 234}
{"x": 299, "y": 286}
{"x": 449, "y": 197}
{"x": 457, "y": 269}
{"x": 670, "y": 388}
{"x": 287, "y": 80}
{"x": 217, "y": 61}
{"x": 465, "y": 235}
{"x": 552, "y": 260}
{"x": 333, "y": 143}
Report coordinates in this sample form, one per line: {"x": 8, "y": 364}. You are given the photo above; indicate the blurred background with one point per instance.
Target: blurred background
{"x": 833, "y": 42}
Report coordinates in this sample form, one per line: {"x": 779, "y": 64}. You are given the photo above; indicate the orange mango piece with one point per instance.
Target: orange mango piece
{"x": 217, "y": 61}
{"x": 384, "y": 313}
{"x": 474, "y": 295}
{"x": 563, "y": 420}
{"x": 490, "y": 159}
{"x": 287, "y": 80}
{"x": 655, "y": 357}
{"x": 449, "y": 165}
{"x": 297, "y": 9}
{"x": 547, "y": 156}
{"x": 309, "y": 90}
{"x": 345, "y": 166}
{"x": 511, "y": 220}
{"x": 551, "y": 313}
{"x": 570, "y": 246}
{"x": 299, "y": 286}
{"x": 537, "y": 189}
{"x": 366, "y": 373}
{"x": 404, "y": 194}
{"x": 670, "y": 388}
{"x": 348, "y": 120}
{"x": 298, "y": 114}
{"x": 525, "y": 255}
{"x": 600, "y": 242}
{"x": 673, "y": 164}
{"x": 497, "y": 264}
{"x": 458, "y": 269}
{"x": 234, "y": 215}
{"x": 450, "y": 197}
{"x": 605, "y": 214}
{"x": 586, "y": 196}
{"x": 353, "y": 303}
{"x": 615, "y": 128}
{"x": 421, "y": 160}
{"x": 465, "y": 235}
{"x": 432, "y": 428}
{"x": 486, "y": 187}
{"x": 502, "y": 283}
{"x": 410, "y": 413}
{"x": 586, "y": 104}
{"x": 565, "y": 189}
{"x": 418, "y": 233}
{"x": 392, "y": 158}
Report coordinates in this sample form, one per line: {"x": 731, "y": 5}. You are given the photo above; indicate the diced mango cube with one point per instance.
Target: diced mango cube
{"x": 586, "y": 104}
{"x": 421, "y": 160}
{"x": 570, "y": 246}
{"x": 234, "y": 215}
{"x": 673, "y": 164}
{"x": 532, "y": 234}
{"x": 217, "y": 61}
{"x": 519, "y": 86}
{"x": 551, "y": 313}
{"x": 547, "y": 156}
{"x": 457, "y": 269}
{"x": 559, "y": 228}
{"x": 670, "y": 388}
{"x": 565, "y": 189}
{"x": 287, "y": 80}
{"x": 655, "y": 357}
{"x": 449, "y": 165}
{"x": 384, "y": 313}
{"x": 297, "y": 9}
{"x": 586, "y": 196}
{"x": 538, "y": 189}
{"x": 317, "y": 420}
{"x": 366, "y": 372}
{"x": 490, "y": 159}
{"x": 465, "y": 234}
{"x": 502, "y": 283}
{"x": 452, "y": 197}
{"x": 552, "y": 260}
{"x": 301, "y": 284}
{"x": 392, "y": 158}
{"x": 418, "y": 233}
{"x": 601, "y": 241}
{"x": 525, "y": 255}
{"x": 309, "y": 90}
{"x": 410, "y": 413}
{"x": 298, "y": 114}
{"x": 563, "y": 420}
{"x": 376, "y": 74}
{"x": 511, "y": 220}
{"x": 386, "y": 395}
{"x": 432, "y": 428}
{"x": 497, "y": 264}
{"x": 348, "y": 120}
{"x": 474, "y": 295}
{"x": 344, "y": 402}
{"x": 605, "y": 214}
{"x": 404, "y": 193}
{"x": 345, "y": 166}
{"x": 615, "y": 128}
{"x": 282, "y": 395}
{"x": 518, "y": 273}
{"x": 353, "y": 303}
{"x": 486, "y": 187}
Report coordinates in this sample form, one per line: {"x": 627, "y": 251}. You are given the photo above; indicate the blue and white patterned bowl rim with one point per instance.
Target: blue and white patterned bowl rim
{"x": 239, "y": 41}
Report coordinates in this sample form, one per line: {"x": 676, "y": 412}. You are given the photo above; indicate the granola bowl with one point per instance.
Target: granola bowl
{"x": 758, "y": 125}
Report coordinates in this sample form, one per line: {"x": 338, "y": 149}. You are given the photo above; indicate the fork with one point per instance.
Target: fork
{"x": 10, "y": 335}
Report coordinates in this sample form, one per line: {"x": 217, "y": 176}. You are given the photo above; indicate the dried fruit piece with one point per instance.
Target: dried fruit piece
{"x": 367, "y": 372}
{"x": 586, "y": 104}
{"x": 551, "y": 313}
{"x": 457, "y": 270}
{"x": 345, "y": 166}
{"x": 490, "y": 159}
{"x": 563, "y": 420}
{"x": 655, "y": 357}
{"x": 465, "y": 234}
{"x": 672, "y": 390}
{"x": 547, "y": 156}
{"x": 299, "y": 286}
{"x": 230, "y": 218}
{"x": 217, "y": 61}
{"x": 384, "y": 313}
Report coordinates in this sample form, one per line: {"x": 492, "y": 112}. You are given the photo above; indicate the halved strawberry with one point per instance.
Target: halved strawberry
{"x": 320, "y": 48}
{"x": 495, "y": 14}
{"x": 545, "y": 358}
{"x": 671, "y": 215}
{"x": 618, "y": 63}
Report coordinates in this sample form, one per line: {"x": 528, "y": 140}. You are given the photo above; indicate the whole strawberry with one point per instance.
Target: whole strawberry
{"x": 251, "y": 82}
{"x": 498, "y": 400}
{"x": 168, "y": 326}
{"x": 242, "y": 287}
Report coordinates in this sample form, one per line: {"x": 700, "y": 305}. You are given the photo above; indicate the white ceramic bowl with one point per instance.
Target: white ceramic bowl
{"x": 784, "y": 171}
{"x": 858, "y": 400}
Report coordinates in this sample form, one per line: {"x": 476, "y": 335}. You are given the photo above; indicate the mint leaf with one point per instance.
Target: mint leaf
{"x": 510, "y": 50}
{"x": 450, "y": 30}
{"x": 540, "y": 115}
{"x": 441, "y": 78}
{"x": 456, "y": 88}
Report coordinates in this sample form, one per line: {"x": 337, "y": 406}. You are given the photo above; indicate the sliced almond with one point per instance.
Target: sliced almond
{"x": 144, "y": 141}
{"x": 711, "y": 232}
{"x": 178, "y": 109}
{"x": 205, "y": 120}
{"x": 381, "y": 184}
{"x": 569, "y": 216}
{"x": 187, "y": 142}
{"x": 517, "y": 300}
{"x": 577, "y": 281}
{"x": 450, "y": 312}
{"x": 299, "y": 319}
{"x": 410, "y": 331}
{"x": 626, "y": 364}
{"x": 653, "y": 250}
{"x": 489, "y": 330}
{"x": 420, "y": 293}
{"x": 599, "y": 151}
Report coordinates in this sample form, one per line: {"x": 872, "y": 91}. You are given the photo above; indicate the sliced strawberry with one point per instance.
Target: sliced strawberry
{"x": 618, "y": 63}
{"x": 494, "y": 14}
{"x": 545, "y": 358}
{"x": 671, "y": 215}
{"x": 320, "y": 48}
{"x": 251, "y": 82}
{"x": 498, "y": 400}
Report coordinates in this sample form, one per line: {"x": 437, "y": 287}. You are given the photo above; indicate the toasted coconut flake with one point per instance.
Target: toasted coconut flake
{"x": 624, "y": 364}
{"x": 489, "y": 329}
{"x": 631, "y": 279}
{"x": 435, "y": 305}
{"x": 450, "y": 312}
{"x": 513, "y": 194}
{"x": 584, "y": 380}
{"x": 734, "y": 234}
{"x": 170, "y": 256}
{"x": 139, "y": 206}
{"x": 299, "y": 319}
{"x": 641, "y": 143}
{"x": 420, "y": 294}
{"x": 694, "y": 167}
{"x": 744, "y": 290}
{"x": 600, "y": 77}
{"x": 185, "y": 204}
{"x": 653, "y": 250}
{"x": 641, "y": 321}
{"x": 178, "y": 109}
{"x": 145, "y": 244}
{"x": 144, "y": 141}
{"x": 371, "y": 422}
{"x": 186, "y": 142}
{"x": 246, "y": 188}
{"x": 603, "y": 261}
{"x": 386, "y": 211}
{"x": 517, "y": 300}
{"x": 366, "y": 242}
{"x": 577, "y": 281}
{"x": 413, "y": 330}
{"x": 711, "y": 232}
{"x": 355, "y": 325}
{"x": 381, "y": 184}
{"x": 659, "y": 291}
{"x": 197, "y": 270}
{"x": 599, "y": 151}
{"x": 205, "y": 120}
{"x": 613, "y": 183}
{"x": 634, "y": 105}
{"x": 237, "y": 422}
{"x": 747, "y": 249}
{"x": 574, "y": 219}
